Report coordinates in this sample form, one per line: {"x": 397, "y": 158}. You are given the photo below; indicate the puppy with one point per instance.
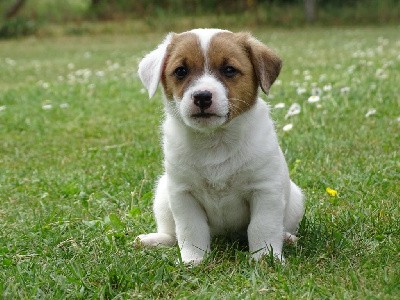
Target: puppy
{"x": 224, "y": 170}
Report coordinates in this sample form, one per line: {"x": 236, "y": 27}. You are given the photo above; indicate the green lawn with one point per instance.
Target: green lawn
{"x": 80, "y": 152}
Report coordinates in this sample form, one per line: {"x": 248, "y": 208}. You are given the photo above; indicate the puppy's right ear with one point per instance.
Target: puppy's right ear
{"x": 151, "y": 66}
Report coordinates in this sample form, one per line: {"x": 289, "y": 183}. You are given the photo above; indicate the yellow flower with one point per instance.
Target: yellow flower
{"x": 331, "y": 192}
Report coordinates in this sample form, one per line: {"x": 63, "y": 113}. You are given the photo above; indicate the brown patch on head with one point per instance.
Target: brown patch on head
{"x": 183, "y": 51}
{"x": 254, "y": 65}
{"x": 228, "y": 50}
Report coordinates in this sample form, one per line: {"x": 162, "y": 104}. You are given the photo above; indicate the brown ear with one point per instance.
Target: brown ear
{"x": 266, "y": 63}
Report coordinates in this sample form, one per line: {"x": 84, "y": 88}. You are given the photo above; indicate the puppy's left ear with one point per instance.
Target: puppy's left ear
{"x": 266, "y": 63}
{"x": 151, "y": 66}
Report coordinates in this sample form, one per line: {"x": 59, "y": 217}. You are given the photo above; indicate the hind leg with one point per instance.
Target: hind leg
{"x": 165, "y": 235}
{"x": 294, "y": 212}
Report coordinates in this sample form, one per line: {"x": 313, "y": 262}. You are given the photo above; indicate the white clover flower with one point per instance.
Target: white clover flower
{"x": 322, "y": 77}
{"x": 387, "y": 64}
{"x": 36, "y": 64}
{"x": 2, "y": 108}
{"x": 64, "y": 105}
{"x": 287, "y": 127}
{"x": 313, "y": 99}
{"x": 316, "y": 91}
{"x": 278, "y": 82}
{"x": 10, "y": 62}
{"x": 143, "y": 91}
{"x": 345, "y": 90}
{"x": 370, "y": 112}
{"x": 383, "y": 41}
{"x": 84, "y": 73}
{"x": 351, "y": 69}
{"x": 327, "y": 88}
{"x": 112, "y": 66}
{"x": 301, "y": 90}
{"x": 47, "y": 106}
{"x": 381, "y": 74}
{"x": 371, "y": 53}
{"x": 43, "y": 84}
{"x": 296, "y": 72}
{"x": 307, "y": 77}
{"x": 279, "y": 105}
{"x": 100, "y": 73}
{"x": 71, "y": 78}
{"x": 294, "y": 109}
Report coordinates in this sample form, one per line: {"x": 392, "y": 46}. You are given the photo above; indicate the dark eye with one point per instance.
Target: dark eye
{"x": 181, "y": 72}
{"x": 229, "y": 71}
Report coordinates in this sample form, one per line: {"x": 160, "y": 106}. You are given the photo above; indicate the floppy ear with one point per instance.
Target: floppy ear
{"x": 150, "y": 67}
{"x": 266, "y": 63}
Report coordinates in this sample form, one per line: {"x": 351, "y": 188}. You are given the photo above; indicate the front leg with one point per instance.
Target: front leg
{"x": 192, "y": 229}
{"x": 265, "y": 231}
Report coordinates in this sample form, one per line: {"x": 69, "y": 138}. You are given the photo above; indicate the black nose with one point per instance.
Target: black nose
{"x": 202, "y": 99}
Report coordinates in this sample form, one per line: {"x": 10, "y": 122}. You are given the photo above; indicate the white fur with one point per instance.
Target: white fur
{"x": 219, "y": 106}
{"x": 150, "y": 67}
{"x": 205, "y": 35}
{"x": 221, "y": 178}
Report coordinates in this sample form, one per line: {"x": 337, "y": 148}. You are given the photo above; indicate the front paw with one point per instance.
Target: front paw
{"x": 154, "y": 240}
{"x": 192, "y": 261}
{"x": 268, "y": 252}
{"x": 290, "y": 238}
{"x": 192, "y": 256}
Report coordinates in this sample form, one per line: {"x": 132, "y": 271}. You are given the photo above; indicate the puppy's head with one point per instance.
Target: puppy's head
{"x": 209, "y": 76}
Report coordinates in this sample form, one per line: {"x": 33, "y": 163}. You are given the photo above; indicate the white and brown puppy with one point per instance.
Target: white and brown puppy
{"x": 224, "y": 170}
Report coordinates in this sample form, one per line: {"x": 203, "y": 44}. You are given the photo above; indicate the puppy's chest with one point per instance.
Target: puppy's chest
{"x": 225, "y": 200}
{"x": 226, "y": 207}
{"x": 219, "y": 178}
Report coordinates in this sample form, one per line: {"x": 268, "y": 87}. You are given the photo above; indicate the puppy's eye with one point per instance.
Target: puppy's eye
{"x": 229, "y": 71}
{"x": 181, "y": 72}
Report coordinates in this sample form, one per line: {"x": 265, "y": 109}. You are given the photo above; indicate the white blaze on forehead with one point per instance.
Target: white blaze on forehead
{"x": 205, "y": 35}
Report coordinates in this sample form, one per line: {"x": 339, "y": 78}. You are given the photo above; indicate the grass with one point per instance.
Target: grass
{"x": 80, "y": 152}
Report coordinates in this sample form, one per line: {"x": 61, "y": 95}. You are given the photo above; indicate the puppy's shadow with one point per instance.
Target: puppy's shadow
{"x": 234, "y": 247}
{"x": 318, "y": 239}
{"x": 229, "y": 247}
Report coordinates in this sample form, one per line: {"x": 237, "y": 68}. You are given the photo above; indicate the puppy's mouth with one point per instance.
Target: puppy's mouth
{"x": 204, "y": 115}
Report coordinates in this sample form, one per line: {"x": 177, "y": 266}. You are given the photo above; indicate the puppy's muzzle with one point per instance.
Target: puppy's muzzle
{"x": 202, "y": 99}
